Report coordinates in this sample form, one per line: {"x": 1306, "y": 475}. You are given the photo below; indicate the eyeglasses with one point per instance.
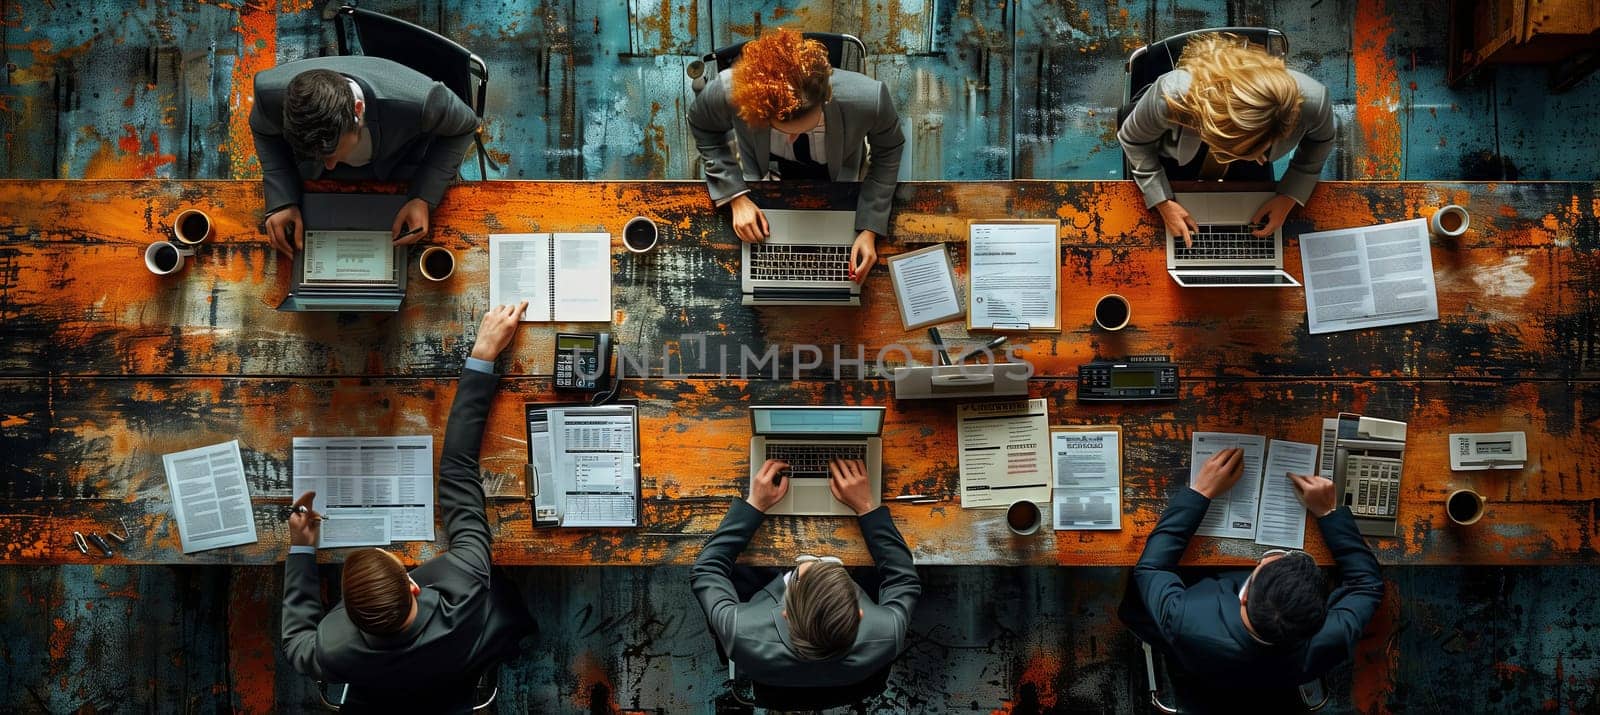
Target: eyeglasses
{"x": 808, "y": 558}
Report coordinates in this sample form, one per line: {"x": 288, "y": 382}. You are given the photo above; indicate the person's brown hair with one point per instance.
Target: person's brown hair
{"x": 318, "y": 109}
{"x": 822, "y": 610}
{"x": 377, "y": 591}
{"x": 778, "y": 76}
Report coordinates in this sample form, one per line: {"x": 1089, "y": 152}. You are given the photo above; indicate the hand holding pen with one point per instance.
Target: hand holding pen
{"x": 305, "y": 524}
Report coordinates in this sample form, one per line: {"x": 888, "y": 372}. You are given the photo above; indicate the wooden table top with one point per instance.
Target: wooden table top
{"x": 106, "y": 367}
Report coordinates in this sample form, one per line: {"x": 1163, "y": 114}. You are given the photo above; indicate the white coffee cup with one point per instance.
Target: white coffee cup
{"x": 1450, "y": 220}
{"x": 164, "y": 258}
{"x": 640, "y": 234}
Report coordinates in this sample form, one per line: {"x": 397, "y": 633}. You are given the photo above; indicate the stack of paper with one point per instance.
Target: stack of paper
{"x": 1263, "y": 505}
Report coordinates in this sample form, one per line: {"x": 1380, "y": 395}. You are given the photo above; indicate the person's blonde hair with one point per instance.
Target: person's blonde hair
{"x": 1240, "y": 98}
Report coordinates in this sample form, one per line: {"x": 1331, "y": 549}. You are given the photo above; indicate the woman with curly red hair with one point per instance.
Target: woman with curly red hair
{"x": 796, "y": 117}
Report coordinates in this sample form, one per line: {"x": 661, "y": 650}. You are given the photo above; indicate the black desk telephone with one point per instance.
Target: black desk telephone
{"x": 583, "y": 361}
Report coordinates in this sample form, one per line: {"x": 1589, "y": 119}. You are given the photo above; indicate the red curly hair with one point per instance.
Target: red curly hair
{"x": 779, "y": 75}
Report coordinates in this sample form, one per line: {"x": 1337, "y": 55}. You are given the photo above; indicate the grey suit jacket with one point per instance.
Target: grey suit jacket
{"x": 1200, "y": 624}
{"x": 1148, "y": 133}
{"x": 417, "y": 124}
{"x": 462, "y": 625}
{"x": 755, "y": 634}
{"x": 860, "y": 111}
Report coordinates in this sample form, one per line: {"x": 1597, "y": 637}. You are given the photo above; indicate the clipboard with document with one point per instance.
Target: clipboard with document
{"x": 1013, "y": 275}
{"x": 583, "y": 464}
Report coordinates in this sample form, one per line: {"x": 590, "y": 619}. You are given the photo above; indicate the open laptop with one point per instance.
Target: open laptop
{"x": 349, "y": 262}
{"x": 806, "y": 438}
{"x": 1225, "y": 254}
{"x": 805, "y": 260}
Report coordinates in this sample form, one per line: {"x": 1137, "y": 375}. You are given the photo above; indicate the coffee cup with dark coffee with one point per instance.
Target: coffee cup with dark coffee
{"x": 192, "y": 227}
{"x": 438, "y": 263}
{"x": 1464, "y": 506}
{"x": 1112, "y": 312}
{"x": 1023, "y": 517}
{"x": 1450, "y": 220}
{"x": 163, "y": 258}
{"x": 640, "y": 234}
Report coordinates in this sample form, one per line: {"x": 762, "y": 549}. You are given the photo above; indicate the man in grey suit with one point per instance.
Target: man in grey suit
{"x": 417, "y": 639}
{"x": 812, "y": 626}
{"x": 795, "y": 117}
{"x": 355, "y": 118}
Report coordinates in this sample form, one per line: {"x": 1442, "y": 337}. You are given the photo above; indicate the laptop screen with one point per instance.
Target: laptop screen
{"x": 861, "y": 421}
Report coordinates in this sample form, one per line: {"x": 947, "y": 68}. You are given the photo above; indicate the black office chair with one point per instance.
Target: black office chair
{"x": 1153, "y": 60}
{"x": 423, "y": 50}
{"x": 787, "y": 698}
{"x": 1312, "y": 696}
{"x": 334, "y": 695}
{"x": 846, "y": 52}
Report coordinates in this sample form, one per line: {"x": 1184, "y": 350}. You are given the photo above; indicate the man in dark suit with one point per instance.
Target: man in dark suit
{"x": 812, "y": 626}
{"x": 355, "y": 118}
{"x": 1270, "y": 627}
{"x": 417, "y": 639}
{"x": 795, "y": 117}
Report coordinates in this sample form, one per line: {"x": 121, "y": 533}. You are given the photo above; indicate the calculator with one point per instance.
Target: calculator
{"x": 1372, "y": 485}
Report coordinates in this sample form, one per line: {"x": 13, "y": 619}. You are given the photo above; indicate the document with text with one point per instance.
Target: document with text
{"x": 1263, "y": 505}
{"x": 1282, "y": 519}
{"x": 210, "y": 498}
{"x": 925, "y": 287}
{"x": 589, "y": 458}
{"x": 564, "y": 277}
{"x": 1232, "y": 514}
{"x": 349, "y": 257}
{"x": 1013, "y": 272}
{"x": 1088, "y": 478}
{"x": 1003, "y": 454}
{"x": 1369, "y": 276}
{"x": 379, "y": 485}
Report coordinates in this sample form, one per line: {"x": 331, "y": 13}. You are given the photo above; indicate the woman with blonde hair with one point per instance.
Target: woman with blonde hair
{"x": 795, "y": 117}
{"x": 1229, "y": 109}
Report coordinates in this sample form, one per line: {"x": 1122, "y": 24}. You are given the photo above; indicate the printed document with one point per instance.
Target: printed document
{"x": 1369, "y": 276}
{"x": 925, "y": 287}
{"x": 591, "y": 455}
{"x": 564, "y": 277}
{"x": 210, "y": 499}
{"x": 1232, "y": 514}
{"x": 1002, "y": 448}
{"x": 1088, "y": 482}
{"x": 349, "y": 256}
{"x": 1282, "y": 519}
{"x": 364, "y": 478}
{"x": 1013, "y": 276}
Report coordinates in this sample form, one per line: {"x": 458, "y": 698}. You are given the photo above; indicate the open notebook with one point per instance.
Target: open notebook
{"x": 565, "y": 277}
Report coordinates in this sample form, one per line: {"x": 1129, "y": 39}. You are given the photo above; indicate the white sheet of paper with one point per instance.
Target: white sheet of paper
{"x": 1233, "y": 513}
{"x": 925, "y": 287}
{"x": 1368, "y": 276}
{"x": 362, "y": 476}
{"x": 355, "y": 527}
{"x": 1003, "y": 452}
{"x": 520, "y": 269}
{"x": 210, "y": 498}
{"x": 1013, "y": 275}
{"x": 583, "y": 277}
{"x": 594, "y": 458}
{"x": 359, "y": 256}
{"x": 1282, "y": 519}
{"x": 1087, "y": 480}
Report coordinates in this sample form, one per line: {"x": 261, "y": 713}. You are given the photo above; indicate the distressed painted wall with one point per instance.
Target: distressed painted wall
{"x": 596, "y": 89}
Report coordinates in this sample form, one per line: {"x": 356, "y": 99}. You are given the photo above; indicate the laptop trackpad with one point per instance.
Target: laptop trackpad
{"x": 811, "y": 496}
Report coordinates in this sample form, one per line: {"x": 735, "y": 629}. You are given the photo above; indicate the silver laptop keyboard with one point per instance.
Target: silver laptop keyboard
{"x": 783, "y": 262}
{"x": 811, "y": 460}
{"x": 1220, "y": 242}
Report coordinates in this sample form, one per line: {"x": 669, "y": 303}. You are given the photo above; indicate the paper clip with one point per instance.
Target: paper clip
{"x": 80, "y": 542}
{"x": 119, "y": 538}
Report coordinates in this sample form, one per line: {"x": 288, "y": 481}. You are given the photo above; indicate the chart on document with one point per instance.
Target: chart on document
{"x": 368, "y": 487}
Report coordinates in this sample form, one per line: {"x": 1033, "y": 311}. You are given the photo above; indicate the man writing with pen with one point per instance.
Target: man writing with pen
{"x": 355, "y": 119}
{"x": 419, "y": 639}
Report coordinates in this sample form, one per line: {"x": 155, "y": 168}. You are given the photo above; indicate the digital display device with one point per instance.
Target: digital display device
{"x": 817, "y": 420}
{"x": 1148, "y": 377}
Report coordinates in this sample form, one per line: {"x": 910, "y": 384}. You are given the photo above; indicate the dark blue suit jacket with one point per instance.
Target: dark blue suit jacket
{"x": 1199, "y": 625}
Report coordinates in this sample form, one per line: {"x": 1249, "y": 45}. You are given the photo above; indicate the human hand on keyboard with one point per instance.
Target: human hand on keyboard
{"x": 1178, "y": 221}
{"x": 1271, "y": 215}
{"x": 847, "y": 478}
{"x": 1316, "y": 492}
{"x": 769, "y": 486}
{"x": 863, "y": 253}
{"x": 749, "y": 224}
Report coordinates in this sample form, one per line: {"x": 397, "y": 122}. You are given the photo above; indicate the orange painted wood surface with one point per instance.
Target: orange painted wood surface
{"x": 106, "y": 367}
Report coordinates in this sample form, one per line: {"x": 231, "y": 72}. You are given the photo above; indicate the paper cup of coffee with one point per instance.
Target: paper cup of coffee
{"x": 1112, "y": 312}
{"x": 163, "y": 258}
{"x": 437, "y": 263}
{"x": 1464, "y": 506}
{"x": 1023, "y": 517}
{"x": 192, "y": 227}
{"x": 640, "y": 234}
{"x": 1450, "y": 220}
